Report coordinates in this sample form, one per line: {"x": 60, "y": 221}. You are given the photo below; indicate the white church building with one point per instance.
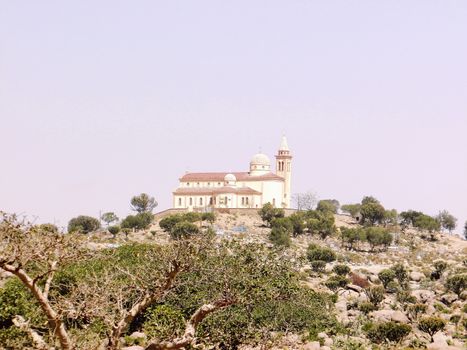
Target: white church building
{"x": 252, "y": 189}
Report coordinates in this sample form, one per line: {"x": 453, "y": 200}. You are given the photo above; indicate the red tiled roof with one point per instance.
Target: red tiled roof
{"x": 219, "y": 177}
{"x": 215, "y": 190}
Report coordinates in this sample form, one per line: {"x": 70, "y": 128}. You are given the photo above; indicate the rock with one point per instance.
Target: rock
{"x": 134, "y": 347}
{"x": 389, "y": 315}
{"x": 423, "y": 295}
{"x": 399, "y": 316}
{"x": 325, "y": 347}
{"x": 463, "y": 295}
{"x": 328, "y": 342}
{"x": 322, "y": 335}
{"x": 416, "y": 276}
{"x": 448, "y": 298}
{"x": 314, "y": 345}
{"x": 137, "y": 335}
{"x": 355, "y": 288}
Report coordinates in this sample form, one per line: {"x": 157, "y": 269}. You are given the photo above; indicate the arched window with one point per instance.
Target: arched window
{"x": 210, "y": 200}
{"x": 201, "y": 201}
{"x": 246, "y": 200}
{"x": 179, "y": 202}
{"x": 274, "y": 202}
{"x": 191, "y": 201}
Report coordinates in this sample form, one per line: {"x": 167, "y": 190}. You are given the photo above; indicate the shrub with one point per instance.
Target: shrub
{"x": 209, "y": 217}
{"x": 378, "y": 236}
{"x": 167, "y": 223}
{"x": 386, "y": 276}
{"x": 400, "y": 273}
{"x": 315, "y": 252}
{"x": 388, "y": 332}
{"x": 139, "y": 221}
{"x": 268, "y": 213}
{"x": 352, "y": 236}
{"x": 184, "y": 229}
{"x": 457, "y": 283}
{"x": 114, "y": 230}
{"x": 336, "y": 282}
{"x": 392, "y": 287}
{"x": 318, "y": 265}
{"x": 366, "y": 307}
{"x": 431, "y": 325}
{"x": 440, "y": 266}
{"x": 163, "y": 322}
{"x": 341, "y": 270}
{"x": 404, "y": 297}
{"x": 283, "y": 223}
{"x": 321, "y": 223}
{"x": 83, "y": 224}
{"x": 280, "y": 237}
{"x": 298, "y": 223}
{"x": 415, "y": 310}
{"x": 375, "y": 294}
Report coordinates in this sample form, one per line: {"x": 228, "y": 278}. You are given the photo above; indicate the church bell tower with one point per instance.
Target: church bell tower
{"x": 284, "y": 169}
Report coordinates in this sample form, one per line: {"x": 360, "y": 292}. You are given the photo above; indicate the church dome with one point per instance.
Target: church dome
{"x": 260, "y": 159}
{"x": 230, "y": 178}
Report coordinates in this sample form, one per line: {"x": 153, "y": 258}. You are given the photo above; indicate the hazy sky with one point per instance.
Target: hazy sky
{"x": 101, "y": 100}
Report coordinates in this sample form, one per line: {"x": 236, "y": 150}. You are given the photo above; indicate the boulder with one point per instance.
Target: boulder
{"x": 137, "y": 335}
{"x": 355, "y": 288}
{"x": 423, "y": 295}
{"x": 389, "y": 315}
{"x": 416, "y": 276}
{"x": 314, "y": 345}
{"x": 448, "y": 298}
{"x": 134, "y": 347}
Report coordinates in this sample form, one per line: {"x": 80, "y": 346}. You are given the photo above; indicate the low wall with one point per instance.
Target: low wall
{"x": 239, "y": 211}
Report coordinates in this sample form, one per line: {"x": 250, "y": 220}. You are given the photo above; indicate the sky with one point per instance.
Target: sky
{"x": 102, "y": 100}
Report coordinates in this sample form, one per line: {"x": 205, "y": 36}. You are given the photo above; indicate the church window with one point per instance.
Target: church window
{"x": 274, "y": 202}
{"x": 209, "y": 184}
{"x": 246, "y": 200}
{"x": 243, "y": 200}
{"x": 191, "y": 201}
{"x": 188, "y": 184}
{"x": 210, "y": 200}
{"x": 179, "y": 202}
{"x": 197, "y": 184}
{"x": 201, "y": 201}
{"x": 218, "y": 184}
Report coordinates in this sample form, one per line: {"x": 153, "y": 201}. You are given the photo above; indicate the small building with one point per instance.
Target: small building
{"x": 252, "y": 189}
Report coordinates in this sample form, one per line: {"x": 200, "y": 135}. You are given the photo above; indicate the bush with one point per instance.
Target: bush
{"x": 386, "y": 276}
{"x": 114, "y": 230}
{"x": 388, "y": 332}
{"x": 298, "y": 223}
{"x": 209, "y": 217}
{"x": 280, "y": 237}
{"x": 352, "y": 236}
{"x": 431, "y": 325}
{"x": 168, "y": 223}
{"x": 163, "y": 322}
{"x": 268, "y": 213}
{"x": 321, "y": 223}
{"x": 283, "y": 223}
{"x": 139, "y": 221}
{"x": 404, "y": 297}
{"x": 378, "y": 236}
{"x": 336, "y": 282}
{"x": 366, "y": 307}
{"x": 415, "y": 310}
{"x": 392, "y": 287}
{"x": 83, "y": 224}
{"x": 184, "y": 229}
{"x": 400, "y": 273}
{"x": 457, "y": 283}
{"x": 375, "y": 294}
{"x": 328, "y": 206}
{"x": 318, "y": 265}
{"x": 341, "y": 270}
{"x": 315, "y": 252}
{"x": 440, "y": 266}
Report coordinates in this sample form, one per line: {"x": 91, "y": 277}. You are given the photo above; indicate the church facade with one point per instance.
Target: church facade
{"x": 252, "y": 189}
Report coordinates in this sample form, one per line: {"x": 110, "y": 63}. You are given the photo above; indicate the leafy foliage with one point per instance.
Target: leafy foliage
{"x": 268, "y": 213}
{"x": 316, "y": 252}
{"x": 457, "y": 283}
{"x": 83, "y": 224}
{"x": 388, "y": 332}
{"x": 431, "y": 325}
{"x": 386, "y": 276}
{"x": 280, "y": 236}
{"x": 139, "y": 221}
{"x": 143, "y": 203}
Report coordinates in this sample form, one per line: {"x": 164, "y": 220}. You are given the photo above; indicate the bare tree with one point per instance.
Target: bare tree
{"x": 33, "y": 254}
{"x": 305, "y": 201}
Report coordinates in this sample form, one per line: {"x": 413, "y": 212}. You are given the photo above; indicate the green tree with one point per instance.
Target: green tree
{"x": 328, "y": 205}
{"x": 167, "y": 223}
{"x": 388, "y": 332}
{"x": 184, "y": 229}
{"x": 114, "y": 230}
{"x": 386, "y": 276}
{"x": 280, "y": 236}
{"x": 431, "y": 325}
{"x": 268, "y": 213}
{"x": 378, "y": 236}
{"x": 447, "y": 221}
{"x": 321, "y": 223}
{"x": 352, "y": 209}
{"x": 465, "y": 230}
{"x": 143, "y": 203}
{"x": 427, "y": 223}
{"x": 83, "y": 224}
{"x": 139, "y": 221}
{"x": 352, "y": 236}
{"x": 457, "y": 283}
{"x": 298, "y": 223}
{"x": 316, "y": 252}
{"x": 372, "y": 213}
{"x": 409, "y": 217}
{"x": 109, "y": 217}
